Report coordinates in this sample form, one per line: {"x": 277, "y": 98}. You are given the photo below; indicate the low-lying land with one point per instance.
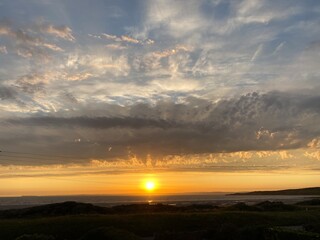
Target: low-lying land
{"x": 80, "y": 221}
{"x": 300, "y": 191}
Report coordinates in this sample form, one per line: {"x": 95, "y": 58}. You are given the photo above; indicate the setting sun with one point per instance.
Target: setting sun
{"x": 150, "y": 185}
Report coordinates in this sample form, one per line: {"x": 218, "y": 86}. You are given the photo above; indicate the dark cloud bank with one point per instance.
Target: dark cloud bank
{"x": 271, "y": 121}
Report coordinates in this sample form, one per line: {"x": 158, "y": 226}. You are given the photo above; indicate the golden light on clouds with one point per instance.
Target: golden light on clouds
{"x": 221, "y": 172}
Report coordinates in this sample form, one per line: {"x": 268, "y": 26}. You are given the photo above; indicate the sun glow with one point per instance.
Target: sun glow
{"x": 149, "y": 185}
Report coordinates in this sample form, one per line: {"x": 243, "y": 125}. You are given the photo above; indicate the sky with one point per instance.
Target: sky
{"x": 98, "y": 96}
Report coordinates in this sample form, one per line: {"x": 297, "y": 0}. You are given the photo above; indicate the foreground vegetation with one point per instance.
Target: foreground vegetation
{"x": 83, "y": 221}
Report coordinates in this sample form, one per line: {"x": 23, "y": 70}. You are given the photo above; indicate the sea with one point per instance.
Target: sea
{"x": 217, "y": 199}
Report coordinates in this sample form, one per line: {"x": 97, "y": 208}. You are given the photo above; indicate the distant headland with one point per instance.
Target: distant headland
{"x": 299, "y": 191}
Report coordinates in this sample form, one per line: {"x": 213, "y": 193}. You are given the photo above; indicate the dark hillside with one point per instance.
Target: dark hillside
{"x": 301, "y": 191}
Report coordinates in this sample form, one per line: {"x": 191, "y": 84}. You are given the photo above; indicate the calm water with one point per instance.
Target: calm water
{"x": 217, "y": 199}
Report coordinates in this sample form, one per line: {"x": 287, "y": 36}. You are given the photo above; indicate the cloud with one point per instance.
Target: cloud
{"x": 63, "y": 32}
{"x": 96, "y": 123}
{"x": 313, "y": 155}
{"x": 5, "y": 29}
{"x": 110, "y": 37}
{"x": 7, "y": 93}
{"x": 78, "y": 76}
{"x": 285, "y": 155}
{"x": 28, "y": 42}
{"x": 122, "y": 39}
{"x": 253, "y": 122}
{"x": 218, "y": 58}
{"x": 21, "y": 37}
{"x": 97, "y": 64}
{"x": 116, "y": 46}
{"x": 314, "y": 143}
{"x": 170, "y": 52}
{"x": 129, "y": 39}
{"x": 257, "y": 53}
{"x": 69, "y": 97}
{"x": 3, "y": 50}
{"x": 101, "y": 167}
{"x": 181, "y": 21}
{"x": 253, "y": 11}
{"x": 236, "y": 78}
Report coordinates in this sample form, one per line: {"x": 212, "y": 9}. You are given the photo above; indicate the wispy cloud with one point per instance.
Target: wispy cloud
{"x": 3, "y": 50}
{"x": 63, "y": 32}
{"x": 122, "y": 39}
